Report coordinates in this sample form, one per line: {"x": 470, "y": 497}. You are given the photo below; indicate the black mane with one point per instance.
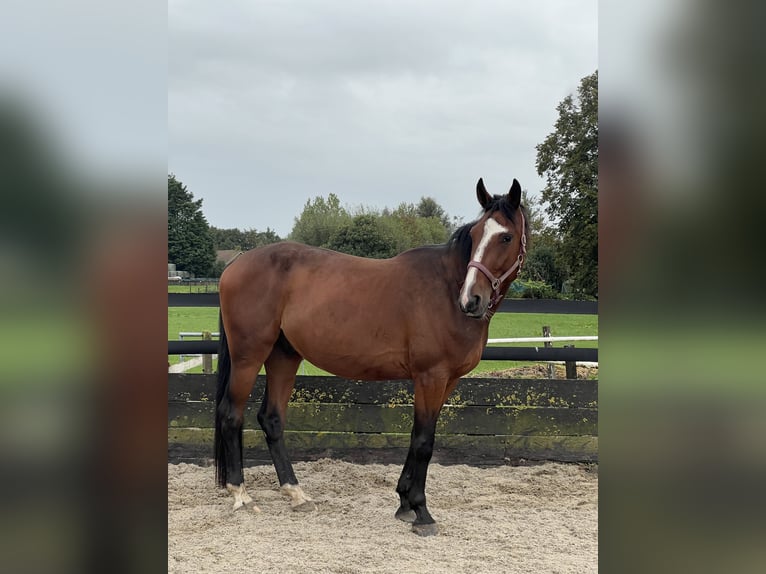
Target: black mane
{"x": 462, "y": 242}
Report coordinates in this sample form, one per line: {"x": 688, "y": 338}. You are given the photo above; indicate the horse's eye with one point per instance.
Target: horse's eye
{"x": 507, "y": 238}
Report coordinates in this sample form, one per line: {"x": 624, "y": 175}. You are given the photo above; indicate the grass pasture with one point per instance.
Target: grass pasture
{"x": 191, "y": 287}
{"x": 502, "y": 325}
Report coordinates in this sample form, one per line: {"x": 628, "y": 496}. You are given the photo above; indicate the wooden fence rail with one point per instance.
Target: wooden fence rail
{"x": 485, "y": 421}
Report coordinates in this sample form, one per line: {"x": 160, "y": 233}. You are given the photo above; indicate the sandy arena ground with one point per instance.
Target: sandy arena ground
{"x": 530, "y": 519}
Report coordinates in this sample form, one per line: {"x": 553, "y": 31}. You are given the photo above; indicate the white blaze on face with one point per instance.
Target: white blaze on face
{"x": 491, "y": 230}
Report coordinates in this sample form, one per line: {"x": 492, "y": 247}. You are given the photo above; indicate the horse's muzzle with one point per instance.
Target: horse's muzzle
{"x": 474, "y": 307}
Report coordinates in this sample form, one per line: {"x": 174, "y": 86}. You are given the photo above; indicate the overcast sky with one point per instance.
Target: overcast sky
{"x": 271, "y": 103}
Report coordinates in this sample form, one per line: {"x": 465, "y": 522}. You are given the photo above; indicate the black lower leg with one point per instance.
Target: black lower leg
{"x": 403, "y": 489}
{"x": 231, "y": 435}
{"x": 422, "y": 447}
{"x": 273, "y": 426}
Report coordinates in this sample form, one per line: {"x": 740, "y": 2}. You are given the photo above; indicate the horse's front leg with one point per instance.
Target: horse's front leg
{"x": 405, "y": 512}
{"x": 429, "y": 398}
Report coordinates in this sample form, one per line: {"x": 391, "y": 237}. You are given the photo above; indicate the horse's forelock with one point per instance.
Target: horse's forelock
{"x": 500, "y": 204}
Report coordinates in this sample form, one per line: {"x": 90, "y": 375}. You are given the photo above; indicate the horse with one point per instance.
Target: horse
{"x": 421, "y": 315}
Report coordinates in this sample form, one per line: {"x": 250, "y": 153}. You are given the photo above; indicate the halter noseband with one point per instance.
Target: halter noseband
{"x": 496, "y": 282}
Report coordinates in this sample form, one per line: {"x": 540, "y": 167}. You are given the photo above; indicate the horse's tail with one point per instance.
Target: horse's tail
{"x": 222, "y": 404}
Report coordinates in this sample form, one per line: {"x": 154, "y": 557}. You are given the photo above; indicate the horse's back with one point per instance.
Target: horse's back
{"x": 294, "y": 266}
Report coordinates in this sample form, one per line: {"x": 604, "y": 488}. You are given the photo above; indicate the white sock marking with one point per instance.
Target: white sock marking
{"x": 241, "y": 497}
{"x": 296, "y": 494}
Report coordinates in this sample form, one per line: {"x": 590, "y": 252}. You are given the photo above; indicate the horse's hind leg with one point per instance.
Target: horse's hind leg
{"x": 231, "y": 413}
{"x": 281, "y": 366}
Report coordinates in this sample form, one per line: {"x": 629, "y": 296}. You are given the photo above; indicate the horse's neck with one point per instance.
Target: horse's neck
{"x": 455, "y": 270}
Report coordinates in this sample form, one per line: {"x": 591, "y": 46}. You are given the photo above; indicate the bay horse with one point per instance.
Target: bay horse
{"x": 422, "y": 315}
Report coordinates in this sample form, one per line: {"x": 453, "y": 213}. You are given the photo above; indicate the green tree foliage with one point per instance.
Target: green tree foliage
{"x": 243, "y": 240}
{"x": 253, "y": 238}
{"x": 365, "y": 236}
{"x": 325, "y": 223}
{"x": 190, "y": 245}
{"x": 412, "y": 226}
{"x": 534, "y": 214}
{"x": 320, "y": 219}
{"x": 568, "y": 159}
{"x": 226, "y": 238}
{"x": 543, "y": 262}
{"x": 218, "y": 268}
{"x": 427, "y": 208}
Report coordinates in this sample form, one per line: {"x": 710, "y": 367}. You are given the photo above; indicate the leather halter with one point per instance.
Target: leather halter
{"x": 496, "y": 282}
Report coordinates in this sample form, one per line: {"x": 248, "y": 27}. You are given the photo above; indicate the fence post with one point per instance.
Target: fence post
{"x": 207, "y": 360}
{"x": 548, "y": 344}
{"x": 571, "y": 366}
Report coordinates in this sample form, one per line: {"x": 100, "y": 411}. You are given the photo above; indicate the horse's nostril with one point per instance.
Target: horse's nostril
{"x": 474, "y": 303}
{"x": 471, "y": 305}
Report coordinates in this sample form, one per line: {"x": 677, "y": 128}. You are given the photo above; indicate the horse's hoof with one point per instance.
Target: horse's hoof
{"x": 247, "y": 506}
{"x": 405, "y": 515}
{"x": 307, "y": 506}
{"x": 425, "y": 529}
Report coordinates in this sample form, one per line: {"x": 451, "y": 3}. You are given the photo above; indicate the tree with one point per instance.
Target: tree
{"x": 568, "y": 159}
{"x": 411, "y": 225}
{"x": 543, "y": 261}
{"x": 190, "y": 245}
{"x": 365, "y": 236}
{"x": 535, "y": 219}
{"x": 428, "y": 207}
{"x": 325, "y": 223}
{"x": 243, "y": 240}
{"x": 218, "y": 268}
{"x": 253, "y": 238}
{"x": 226, "y": 238}
{"x": 319, "y": 221}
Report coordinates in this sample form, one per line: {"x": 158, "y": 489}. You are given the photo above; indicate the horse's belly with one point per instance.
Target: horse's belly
{"x": 354, "y": 368}
{"x": 348, "y": 350}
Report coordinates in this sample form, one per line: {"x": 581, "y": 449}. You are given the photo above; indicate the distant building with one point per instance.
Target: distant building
{"x": 175, "y": 275}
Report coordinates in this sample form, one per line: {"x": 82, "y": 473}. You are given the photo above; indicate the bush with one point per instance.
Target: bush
{"x": 530, "y": 289}
{"x": 364, "y": 236}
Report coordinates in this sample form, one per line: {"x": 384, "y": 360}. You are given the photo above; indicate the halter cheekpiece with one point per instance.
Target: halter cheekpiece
{"x": 496, "y": 282}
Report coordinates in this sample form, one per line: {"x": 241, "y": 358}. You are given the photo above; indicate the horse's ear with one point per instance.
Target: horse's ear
{"x": 485, "y": 199}
{"x": 514, "y": 195}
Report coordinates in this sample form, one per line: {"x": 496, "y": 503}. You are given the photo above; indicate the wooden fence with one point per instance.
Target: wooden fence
{"x": 485, "y": 421}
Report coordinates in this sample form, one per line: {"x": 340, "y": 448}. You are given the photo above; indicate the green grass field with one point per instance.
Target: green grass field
{"x": 193, "y": 288}
{"x": 502, "y": 325}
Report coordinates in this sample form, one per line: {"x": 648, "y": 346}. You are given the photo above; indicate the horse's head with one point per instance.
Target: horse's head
{"x": 497, "y": 252}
